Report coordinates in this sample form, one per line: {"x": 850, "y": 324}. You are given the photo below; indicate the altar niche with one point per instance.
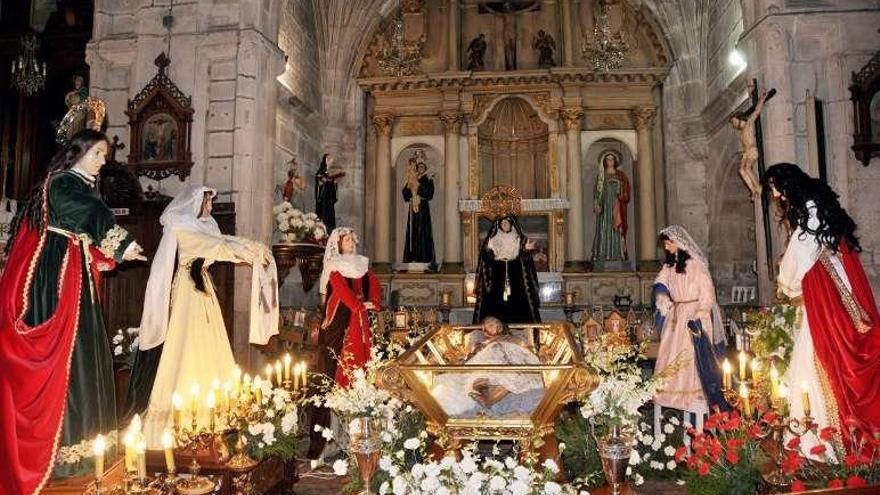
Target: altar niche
{"x": 597, "y": 232}
{"x": 418, "y": 154}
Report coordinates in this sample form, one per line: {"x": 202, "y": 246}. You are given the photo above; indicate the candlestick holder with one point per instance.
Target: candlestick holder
{"x": 195, "y": 440}
{"x": 778, "y": 428}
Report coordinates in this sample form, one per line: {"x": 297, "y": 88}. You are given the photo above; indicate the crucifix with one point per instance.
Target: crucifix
{"x": 509, "y": 12}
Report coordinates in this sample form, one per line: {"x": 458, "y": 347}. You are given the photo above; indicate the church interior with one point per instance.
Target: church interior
{"x": 439, "y": 246}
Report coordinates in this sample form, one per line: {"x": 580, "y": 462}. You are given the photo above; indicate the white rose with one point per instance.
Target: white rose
{"x": 385, "y": 463}
{"x": 117, "y": 351}
{"x": 430, "y": 484}
{"x": 674, "y": 420}
{"x": 509, "y": 463}
{"x": 327, "y": 433}
{"x": 638, "y": 479}
{"x": 519, "y": 487}
{"x": 497, "y": 483}
{"x": 468, "y": 465}
{"x": 669, "y": 450}
{"x": 668, "y": 429}
{"x": 551, "y": 466}
{"x": 288, "y": 422}
{"x": 398, "y": 485}
{"x": 384, "y": 487}
{"x": 411, "y": 443}
{"x": 552, "y": 488}
{"x": 118, "y": 338}
{"x": 340, "y": 467}
{"x": 634, "y": 458}
{"x": 671, "y": 465}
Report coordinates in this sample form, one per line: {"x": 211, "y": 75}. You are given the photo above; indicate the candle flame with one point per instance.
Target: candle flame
{"x": 99, "y": 445}
{"x": 167, "y": 439}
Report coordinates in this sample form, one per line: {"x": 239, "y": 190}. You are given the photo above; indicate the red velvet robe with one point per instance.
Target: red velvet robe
{"x": 350, "y": 293}
{"x": 849, "y": 356}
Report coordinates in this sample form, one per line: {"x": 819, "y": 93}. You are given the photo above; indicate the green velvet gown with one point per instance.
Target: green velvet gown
{"x": 75, "y": 207}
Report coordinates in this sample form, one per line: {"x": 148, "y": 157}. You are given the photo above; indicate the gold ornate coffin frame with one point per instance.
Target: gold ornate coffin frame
{"x": 442, "y": 350}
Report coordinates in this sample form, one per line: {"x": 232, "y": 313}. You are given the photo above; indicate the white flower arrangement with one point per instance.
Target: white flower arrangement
{"x": 471, "y": 475}
{"x": 623, "y": 390}
{"x": 297, "y": 226}
{"x": 276, "y": 430}
{"x": 73, "y": 454}
{"x": 362, "y": 398}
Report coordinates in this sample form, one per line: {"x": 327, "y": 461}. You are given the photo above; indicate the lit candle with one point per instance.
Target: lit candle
{"x": 805, "y": 398}
{"x": 728, "y": 380}
{"x": 278, "y": 371}
{"x": 227, "y": 387}
{"x": 756, "y": 366}
{"x": 128, "y": 441}
{"x": 742, "y": 366}
{"x": 303, "y": 366}
{"x": 177, "y": 403}
{"x": 774, "y": 381}
{"x": 212, "y": 404}
{"x": 287, "y": 360}
{"x": 258, "y": 391}
{"x": 194, "y": 390}
{"x": 99, "y": 446}
{"x": 296, "y": 376}
{"x": 744, "y": 396}
{"x": 236, "y": 379}
{"x": 246, "y": 389}
{"x": 269, "y": 371}
{"x": 168, "y": 445}
{"x": 142, "y": 461}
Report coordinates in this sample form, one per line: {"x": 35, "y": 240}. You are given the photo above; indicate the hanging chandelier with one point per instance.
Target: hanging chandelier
{"x": 28, "y": 73}
{"x": 399, "y": 57}
{"x": 602, "y": 49}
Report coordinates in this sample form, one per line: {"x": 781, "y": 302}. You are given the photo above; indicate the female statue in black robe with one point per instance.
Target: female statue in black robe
{"x": 507, "y": 282}
{"x": 325, "y": 193}
{"x": 417, "y": 192}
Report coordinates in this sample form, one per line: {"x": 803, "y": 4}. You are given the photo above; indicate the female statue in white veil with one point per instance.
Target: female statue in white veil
{"x": 190, "y": 344}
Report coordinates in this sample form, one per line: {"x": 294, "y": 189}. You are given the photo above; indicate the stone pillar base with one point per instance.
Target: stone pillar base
{"x": 648, "y": 265}
{"x": 577, "y": 267}
{"x": 452, "y": 267}
{"x": 381, "y": 267}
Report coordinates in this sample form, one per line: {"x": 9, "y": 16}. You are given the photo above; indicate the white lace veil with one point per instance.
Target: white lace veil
{"x": 182, "y": 214}
{"x": 680, "y": 236}
{"x": 349, "y": 265}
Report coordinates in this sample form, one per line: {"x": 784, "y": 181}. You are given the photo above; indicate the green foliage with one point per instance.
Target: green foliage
{"x": 283, "y": 448}
{"x": 740, "y": 480}
{"x": 580, "y": 459}
{"x": 771, "y": 330}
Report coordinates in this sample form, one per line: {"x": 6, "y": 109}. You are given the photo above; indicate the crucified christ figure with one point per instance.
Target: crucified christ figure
{"x": 745, "y": 123}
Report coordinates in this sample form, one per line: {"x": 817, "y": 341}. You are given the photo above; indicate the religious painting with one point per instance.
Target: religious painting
{"x": 160, "y": 120}
{"x": 537, "y": 228}
{"x": 865, "y": 95}
{"x": 159, "y": 138}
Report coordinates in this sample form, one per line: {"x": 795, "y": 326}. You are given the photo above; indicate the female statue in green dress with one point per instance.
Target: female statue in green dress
{"x": 609, "y": 202}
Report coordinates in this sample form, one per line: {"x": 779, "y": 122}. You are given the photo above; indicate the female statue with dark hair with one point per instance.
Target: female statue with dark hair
{"x": 836, "y": 351}
{"x": 507, "y": 282}
{"x": 56, "y": 383}
{"x": 690, "y": 323}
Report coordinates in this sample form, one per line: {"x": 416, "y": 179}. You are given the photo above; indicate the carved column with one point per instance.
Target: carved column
{"x": 451, "y": 227}
{"x": 382, "y": 211}
{"x": 453, "y": 33}
{"x": 567, "y": 36}
{"x": 571, "y": 118}
{"x": 644, "y": 121}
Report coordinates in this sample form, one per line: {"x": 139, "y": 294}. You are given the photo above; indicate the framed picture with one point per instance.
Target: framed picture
{"x": 865, "y": 95}
{"x": 160, "y": 121}
{"x": 401, "y": 319}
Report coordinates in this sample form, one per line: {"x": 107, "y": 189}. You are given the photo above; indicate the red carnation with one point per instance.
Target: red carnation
{"x": 851, "y": 460}
{"x": 735, "y": 443}
{"x": 703, "y": 469}
{"x": 792, "y": 463}
{"x": 818, "y": 449}
{"x": 711, "y": 423}
{"x": 835, "y": 483}
{"x": 732, "y": 456}
{"x": 798, "y": 486}
{"x": 692, "y": 461}
{"x": 755, "y": 431}
{"x": 680, "y": 453}
{"x": 827, "y": 433}
{"x": 768, "y": 417}
{"x": 856, "y": 482}
{"x": 794, "y": 443}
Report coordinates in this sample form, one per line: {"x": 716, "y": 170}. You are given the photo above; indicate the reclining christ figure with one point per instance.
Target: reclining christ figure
{"x": 495, "y": 393}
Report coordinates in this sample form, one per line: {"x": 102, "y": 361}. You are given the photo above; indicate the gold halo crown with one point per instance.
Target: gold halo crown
{"x": 86, "y": 114}
{"x": 501, "y": 201}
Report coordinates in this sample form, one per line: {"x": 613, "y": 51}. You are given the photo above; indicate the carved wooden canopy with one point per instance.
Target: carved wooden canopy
{"x": 160, "y": 120}
{"x": 865, "y": 89}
